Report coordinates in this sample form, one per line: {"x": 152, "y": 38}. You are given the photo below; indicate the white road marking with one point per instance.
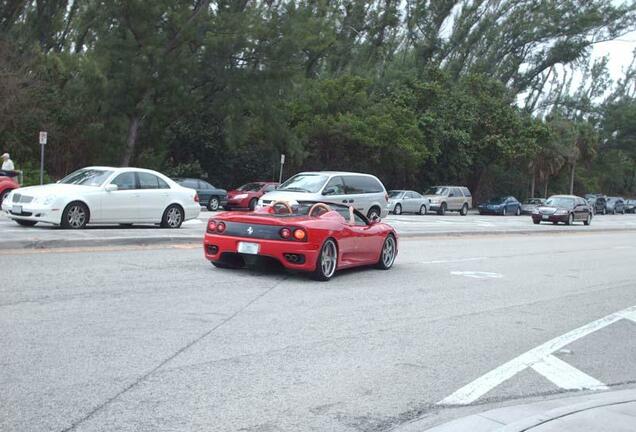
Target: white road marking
{"x": 630, "y": 315}
{"x": 457, "y": 260}
{"x": 477, "y": 274}
{"x": 566, "y": 376}
{"x": 482, "y": 385}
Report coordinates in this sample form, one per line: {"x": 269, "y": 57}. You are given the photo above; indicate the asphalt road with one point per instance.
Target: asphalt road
{"x": 42, "y": 235}
{"x": 156, "y": 339}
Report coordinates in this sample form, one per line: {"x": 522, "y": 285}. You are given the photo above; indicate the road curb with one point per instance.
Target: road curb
{"x": 503, "y": 419}
{"x": 98, "y": 242}
{"x": 192, "y": 239}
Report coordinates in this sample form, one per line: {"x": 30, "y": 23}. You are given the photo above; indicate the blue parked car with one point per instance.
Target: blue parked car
{"x": 506, "y": 205}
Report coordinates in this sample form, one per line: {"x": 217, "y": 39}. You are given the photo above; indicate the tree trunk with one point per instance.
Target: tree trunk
{"x": 533, "y": 182}
{"x": 545, "y": 192}
{"x": 131, "y": 141}
{"x": 572, "y": 178}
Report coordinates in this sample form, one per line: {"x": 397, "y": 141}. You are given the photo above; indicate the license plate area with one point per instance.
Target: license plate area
{"x": 546, "y": 217}
{"x": 17, "y": 209}
{"x": 248, "y": 248}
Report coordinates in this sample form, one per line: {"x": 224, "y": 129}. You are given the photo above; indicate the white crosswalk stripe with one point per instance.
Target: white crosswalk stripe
{"x": 566, "y": 376}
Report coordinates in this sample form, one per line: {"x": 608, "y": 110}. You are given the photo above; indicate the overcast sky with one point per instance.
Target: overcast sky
{"x": 620, "y": 53}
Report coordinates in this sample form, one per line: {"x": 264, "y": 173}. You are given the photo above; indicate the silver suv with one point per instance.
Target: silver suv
{"x": 449, "y": 198}
{"x": 363, "y": 191}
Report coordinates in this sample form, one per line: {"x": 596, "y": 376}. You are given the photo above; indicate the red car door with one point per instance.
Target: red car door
{"x": 368, "y": 239}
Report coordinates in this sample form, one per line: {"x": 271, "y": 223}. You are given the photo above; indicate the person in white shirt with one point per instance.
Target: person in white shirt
{"x": 7, "y": 163}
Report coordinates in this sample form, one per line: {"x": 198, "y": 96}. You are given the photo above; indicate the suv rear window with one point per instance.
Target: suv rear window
{"x": 466, "y": 191}
{"x": 361, "y": 185}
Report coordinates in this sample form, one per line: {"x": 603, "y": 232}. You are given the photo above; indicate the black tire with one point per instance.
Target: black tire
{"x": 464, "y": 210}
{"x": 253, "y": 203}
{"x": 326, "y": 263}
{"x": 75, "y": 216}
{"x": 388, "y": 253}
{"x": 373, "y": 211}
{"x": 442, "y": 209}
{"x": 172, "y": 217}
{"x": 423, "y": 210}
{"x": 588, "y": 220}
{"x": 518, "y": 212}
{"x": 26, "y": 223}
{"x": 536, "y": 222}
{"x": 4, "y": 195}
{"x": 214, "y": 203}
{"x": 397, "y": 210}
{"x": 570, "y": 220}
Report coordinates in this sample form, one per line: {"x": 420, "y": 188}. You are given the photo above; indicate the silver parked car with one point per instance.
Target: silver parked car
{"x": 530, "y": 204}
{"x": 363, "y": 191}
{"x": 407, "y": 201}
{"x": 449, "y": 198}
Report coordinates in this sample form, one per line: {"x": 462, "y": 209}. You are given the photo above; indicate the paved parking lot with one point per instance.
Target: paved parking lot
{"x": 41, "y": 236}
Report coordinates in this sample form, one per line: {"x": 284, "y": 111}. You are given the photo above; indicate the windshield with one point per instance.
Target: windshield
{"x": 533, "y": 201}
{"x": 497, "y": 200}
{"x": 251, "y": 187}
{"x": 87, "y": 177}
{"x": 436, "y": 190}
{"x": 560, "y": 202}
{"x": 395, "y": 194}
{"x": 305, "y": 183}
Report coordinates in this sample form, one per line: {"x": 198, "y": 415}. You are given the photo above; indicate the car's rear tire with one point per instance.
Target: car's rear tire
{"x": 442, "y": 209}
{"x": 214, "y": 203}
{"x": 464, "y": 210}
{"x": 588, "y": 220}
{"x": 75, "y": 216}
{"x": 570, "y": 220}
{"x": 423, "y": 210}
{"x": 26, "y": 223}
{"x": 397, "y": 210}
{"x": 253, "y": 204}
{"x": 536, "y": 222}
{"x": 388, "y": 253}
{"x": 373, "y": 213}
{"x": 327, "y": 261}
{"x": 172, "y": 217}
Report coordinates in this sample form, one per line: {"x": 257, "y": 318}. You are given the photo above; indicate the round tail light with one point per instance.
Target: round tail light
{"x": 211, "y": 225}
{"x": 300, "y": 234}
{"x": 285, "y": 233}
{"x": 220, "y": 227}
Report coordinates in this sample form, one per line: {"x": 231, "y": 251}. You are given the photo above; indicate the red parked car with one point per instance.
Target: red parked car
{"x": 246, "y": 197}
{"x": 312, "y": 237}
{"x": 7, "y": 184}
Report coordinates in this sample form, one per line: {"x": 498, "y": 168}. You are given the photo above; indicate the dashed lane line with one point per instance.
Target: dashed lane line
{"x": 482, "y": 385}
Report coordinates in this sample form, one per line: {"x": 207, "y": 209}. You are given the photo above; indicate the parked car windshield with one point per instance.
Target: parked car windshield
{"x": 560, "y": 202}
{"x": 436, "y": 190}
{"x": 533, "y": 201}
{"x": 304, "y": 183}
{"x": 251, "y": 187}
{"x": 498, "y": 200}
{"x": 395, "y": 194}
{"x": 87, "y": 177}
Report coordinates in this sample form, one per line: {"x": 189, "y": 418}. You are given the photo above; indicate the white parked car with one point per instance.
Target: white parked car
{"x": 104, "y": 195}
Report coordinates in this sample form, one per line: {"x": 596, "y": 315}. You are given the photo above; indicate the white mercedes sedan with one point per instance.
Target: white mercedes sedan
{"x": 104, "y": 195}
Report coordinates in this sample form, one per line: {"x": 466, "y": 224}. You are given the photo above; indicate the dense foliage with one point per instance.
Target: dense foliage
{"x": 476, "y": 92}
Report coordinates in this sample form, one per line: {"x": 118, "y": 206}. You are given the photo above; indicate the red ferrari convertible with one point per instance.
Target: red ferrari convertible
{"x": 309, "y": 236}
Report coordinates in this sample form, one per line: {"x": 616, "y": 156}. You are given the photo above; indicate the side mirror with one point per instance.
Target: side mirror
{"x": 329, "y": 191}
{"x": 111, "y": 187}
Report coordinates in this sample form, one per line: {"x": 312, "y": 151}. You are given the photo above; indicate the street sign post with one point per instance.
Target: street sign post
{"x": 282, "y": 162}
{"x": 43, "y": 138}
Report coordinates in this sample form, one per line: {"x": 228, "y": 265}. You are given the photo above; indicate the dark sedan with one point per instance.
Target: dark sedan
{"x": 615, "y": 205}
{"x": 210, "y": 197}
{"x": 506, "y": 205}
{"x": 597, "y": 202}
{"x": 563, "y": 208}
